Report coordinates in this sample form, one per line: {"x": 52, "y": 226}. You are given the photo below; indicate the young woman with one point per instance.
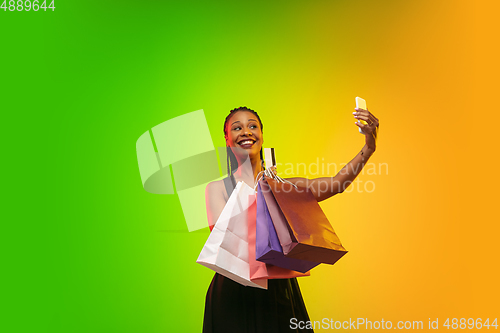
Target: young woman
{"x": 230, "y": 306}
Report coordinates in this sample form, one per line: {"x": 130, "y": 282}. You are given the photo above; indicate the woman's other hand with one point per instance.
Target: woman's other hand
{"x": 370, "y": 128}
{"x": 273, "y": 170}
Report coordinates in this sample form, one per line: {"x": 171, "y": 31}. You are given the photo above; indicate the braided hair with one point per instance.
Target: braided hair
{"x": 232, "y": 162}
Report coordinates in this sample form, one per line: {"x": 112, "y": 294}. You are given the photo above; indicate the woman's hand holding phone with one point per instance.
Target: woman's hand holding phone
{"x": 368, "y": 124}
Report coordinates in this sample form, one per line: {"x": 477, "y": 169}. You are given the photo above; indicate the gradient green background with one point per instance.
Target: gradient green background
{"x": 86, "y": 249}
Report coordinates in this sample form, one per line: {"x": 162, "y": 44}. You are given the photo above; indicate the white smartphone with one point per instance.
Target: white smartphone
{"x": 361, "y": 104}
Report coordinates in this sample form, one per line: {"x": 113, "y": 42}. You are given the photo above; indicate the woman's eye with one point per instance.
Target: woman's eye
{"x": 239, "y": 128}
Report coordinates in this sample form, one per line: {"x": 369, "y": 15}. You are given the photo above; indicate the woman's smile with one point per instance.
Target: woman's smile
{"x": 246, "y": 143}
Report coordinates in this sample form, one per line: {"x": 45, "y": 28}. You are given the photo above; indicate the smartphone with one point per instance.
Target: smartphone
{"x": 361, "y": 104}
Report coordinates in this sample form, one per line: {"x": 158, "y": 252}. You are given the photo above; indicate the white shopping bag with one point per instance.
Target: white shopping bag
{"x": 226, "y": 249}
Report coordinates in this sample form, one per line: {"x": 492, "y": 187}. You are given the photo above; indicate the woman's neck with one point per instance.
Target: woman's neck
{"x": 249, "y": 169}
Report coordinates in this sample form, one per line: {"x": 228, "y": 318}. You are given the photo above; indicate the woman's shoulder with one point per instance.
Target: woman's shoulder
{"x": 216, "y": 187}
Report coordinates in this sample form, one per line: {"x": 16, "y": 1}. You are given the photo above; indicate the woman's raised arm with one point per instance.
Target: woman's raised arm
{"x": 326, "y": 187}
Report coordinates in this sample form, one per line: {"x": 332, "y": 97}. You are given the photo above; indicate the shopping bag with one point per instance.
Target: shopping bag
{"x": 260, "y": 269}
{"x": 267, "y": 245}
{"x": 302, "y": 227}
{"x": 226, "y": 249}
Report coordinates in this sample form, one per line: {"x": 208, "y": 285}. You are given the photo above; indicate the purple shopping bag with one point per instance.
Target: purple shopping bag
{"x": 267, "y": 244}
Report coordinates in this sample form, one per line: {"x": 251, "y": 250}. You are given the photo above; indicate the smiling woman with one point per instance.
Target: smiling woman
{"x": 230, "y": 306}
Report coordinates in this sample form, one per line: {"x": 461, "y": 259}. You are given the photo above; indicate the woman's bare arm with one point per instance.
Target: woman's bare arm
{"x": 326, "y": 187}
{"x": 215, "y": 201}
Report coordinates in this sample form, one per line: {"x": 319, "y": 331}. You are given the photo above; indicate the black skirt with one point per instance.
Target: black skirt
{"x": 231, "y": 307}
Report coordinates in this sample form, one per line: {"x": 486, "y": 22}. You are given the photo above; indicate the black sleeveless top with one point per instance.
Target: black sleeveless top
{"x": 233, "y": 308}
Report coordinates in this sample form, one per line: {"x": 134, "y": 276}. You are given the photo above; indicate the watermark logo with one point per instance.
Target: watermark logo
{"x": 356, "y": 324}
{"x": 178, "y": 157}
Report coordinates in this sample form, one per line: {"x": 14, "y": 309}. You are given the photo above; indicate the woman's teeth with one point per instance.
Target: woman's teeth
{"x": 246, "y": 142}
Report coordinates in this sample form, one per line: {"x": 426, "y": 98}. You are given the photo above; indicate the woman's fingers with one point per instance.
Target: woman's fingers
{"x": 366, "y": 119}
{"x": 362, "y": 112}
{"x": 366, "y": 127}
{"x": 374, "y": 119}
{"x": 361, "y": 125}
{"x": 365, "y": 115}
{"x": 368, "y": 130}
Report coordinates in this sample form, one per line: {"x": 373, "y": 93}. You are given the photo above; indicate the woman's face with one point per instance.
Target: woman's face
{"x": 244, "y": 132}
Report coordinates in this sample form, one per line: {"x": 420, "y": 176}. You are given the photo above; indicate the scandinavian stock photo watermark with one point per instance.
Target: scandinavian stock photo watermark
{"x": 319, "y": 175}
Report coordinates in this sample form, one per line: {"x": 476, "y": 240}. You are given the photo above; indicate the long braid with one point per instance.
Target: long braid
{"x": 232, "y": 162}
